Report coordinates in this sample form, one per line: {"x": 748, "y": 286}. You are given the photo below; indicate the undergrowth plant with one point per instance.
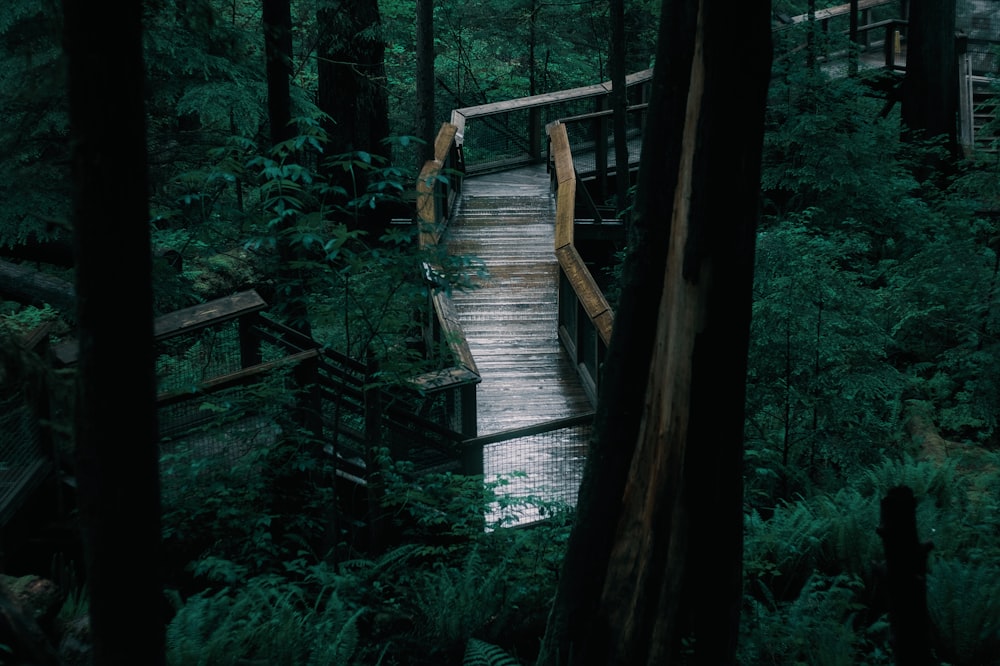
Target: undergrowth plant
{"x": 823, "y": 554}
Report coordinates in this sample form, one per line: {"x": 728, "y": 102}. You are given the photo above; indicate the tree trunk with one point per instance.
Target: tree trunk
{"x": 906, "y": 563}
{"x": 426, "y": 126}
{"x": 352, "y": 91}
{"x": 654, "y": 558}
{"x": 116, "y": 430}
{"x": 277, "y": 18}
{"x": 619, "y": 104}
{"x": 930, "y": 89}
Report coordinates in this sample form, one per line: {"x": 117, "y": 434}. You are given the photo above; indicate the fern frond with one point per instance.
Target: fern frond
{"x": 963, "y": 601}
{"x": 481, "y": 653}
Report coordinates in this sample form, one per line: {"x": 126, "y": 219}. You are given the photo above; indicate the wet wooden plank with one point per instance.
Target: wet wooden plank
{"x": 506, "y": 220}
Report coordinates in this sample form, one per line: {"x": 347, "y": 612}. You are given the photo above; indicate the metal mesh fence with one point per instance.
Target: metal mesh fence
{"x": 516, "y": 135}
{"x": 979, "y": 20}
{"x": 22, "y": 460}
{"x": 533, "y": 472}
{"x": 185, "y": 361}
{"x": 223, "y": 436}
{"x": 583, "y": 135}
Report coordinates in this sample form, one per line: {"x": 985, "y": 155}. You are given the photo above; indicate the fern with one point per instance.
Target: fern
{"x": 480, "y": 653}
{"x": 964, "y": 606}
{"x": 269, "y": 619}
{"x": 456, "y": 604}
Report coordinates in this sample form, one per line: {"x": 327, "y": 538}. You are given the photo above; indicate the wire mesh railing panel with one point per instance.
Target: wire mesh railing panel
{"x": 979, "y": 20}
{"x": 497, "y": 140}
{"x": 534, "y": 472}
{"x": 185, "y": 361}
{"x": 22, "y": 460}
{"x": 224, "y": 437}
{"x": 585, "y": 137}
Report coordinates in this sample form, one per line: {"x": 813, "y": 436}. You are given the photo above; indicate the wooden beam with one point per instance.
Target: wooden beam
{"x": 184, "y": 321}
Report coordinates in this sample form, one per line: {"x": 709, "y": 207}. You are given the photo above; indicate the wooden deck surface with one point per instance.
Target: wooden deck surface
{"x": 506, "y": 220}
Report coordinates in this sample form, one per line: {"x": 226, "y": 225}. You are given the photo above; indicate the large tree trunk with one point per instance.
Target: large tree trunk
{"x": 277, "y": 18}
{"x": 116, "y": 431}
{"x": 352, "y": 91}
{"x": 619, "y": 104}
{"x": 930, "y": 89}
{"x": 655, "y": 554}
{"x": 426, "y": 125}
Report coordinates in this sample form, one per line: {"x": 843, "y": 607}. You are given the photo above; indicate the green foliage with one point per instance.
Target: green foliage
{"x": 268, "y": 619}
{"x": 33, "y": 123}
{"x": 821, "y": 395}
{"x": 481, "y": 653}
{"x": 457, "y": 603}
{"x": 964, "y": 603}
{"x": 821, "y": 626}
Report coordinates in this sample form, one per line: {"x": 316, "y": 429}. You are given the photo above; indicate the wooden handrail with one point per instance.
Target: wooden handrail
{"x": 183, "y": 321}
{"x": 840, "y": 10}
{"x": 580, "y": 278}
{"x": 461, "y": 375}
{"x": 458, "y": 116}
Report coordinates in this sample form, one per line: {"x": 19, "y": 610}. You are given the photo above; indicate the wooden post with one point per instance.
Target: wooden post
{"x": 470, "y": 418}
{"x": 535, "y": 133}
{"x": 906, "y": 561}
{"x": 601, "y": 148}
{"x": 373, "y": 463}
{"x": 250, "y": 353}
{"x": 854, "y": 53}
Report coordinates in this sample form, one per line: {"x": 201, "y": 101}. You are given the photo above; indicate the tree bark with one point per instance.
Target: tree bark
{"x": 930, "y": 88}
{"x": 116, "y": 430}
{"x": 277, "y": 18}
{"x": 619, "y": 104}
{"x": 654, "y": 558}
{"x": 906, "y": 563}
{"x": 352, "y": 91}
{"x": 351, "y": 74}
{"x": 426, "y": 126}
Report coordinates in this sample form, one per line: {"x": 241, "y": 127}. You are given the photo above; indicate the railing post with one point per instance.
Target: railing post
{"x": 889, "y": 46}
{"x": 854, "y": 54}
{"x": 470, "y": 418}
{"x": 373, "y": 462}
{"x": 250, "y": 353}
{"x": 472, "y": 459}
{"x": 601, "y": 148}
{"x": 535, "y": 133}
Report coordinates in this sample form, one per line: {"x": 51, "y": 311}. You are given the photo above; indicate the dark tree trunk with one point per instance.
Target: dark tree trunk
{"x": 426, "y": 125}
{"x": 906, "y": 564}
{"x": 930, "y": 89}
{"x": 352, "y": 91}
{"x": 619, "y": 104}
{"x": 655, "y": 554}
{"x": 116, "y": 430}
{"x": 277, "y": 18}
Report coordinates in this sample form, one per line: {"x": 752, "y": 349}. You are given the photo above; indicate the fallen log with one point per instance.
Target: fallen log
{"x": 33, "y": 287}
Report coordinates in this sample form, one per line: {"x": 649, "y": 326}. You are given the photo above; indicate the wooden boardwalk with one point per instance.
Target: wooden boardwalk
{"x": 506, "y": 220}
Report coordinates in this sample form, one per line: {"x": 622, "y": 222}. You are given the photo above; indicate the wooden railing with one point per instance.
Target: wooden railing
{"x": 502, "y": 135}
{"x": 585, "y": 317}
{"x": 858, "y": 21}
{"x": 438, "y": 186}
